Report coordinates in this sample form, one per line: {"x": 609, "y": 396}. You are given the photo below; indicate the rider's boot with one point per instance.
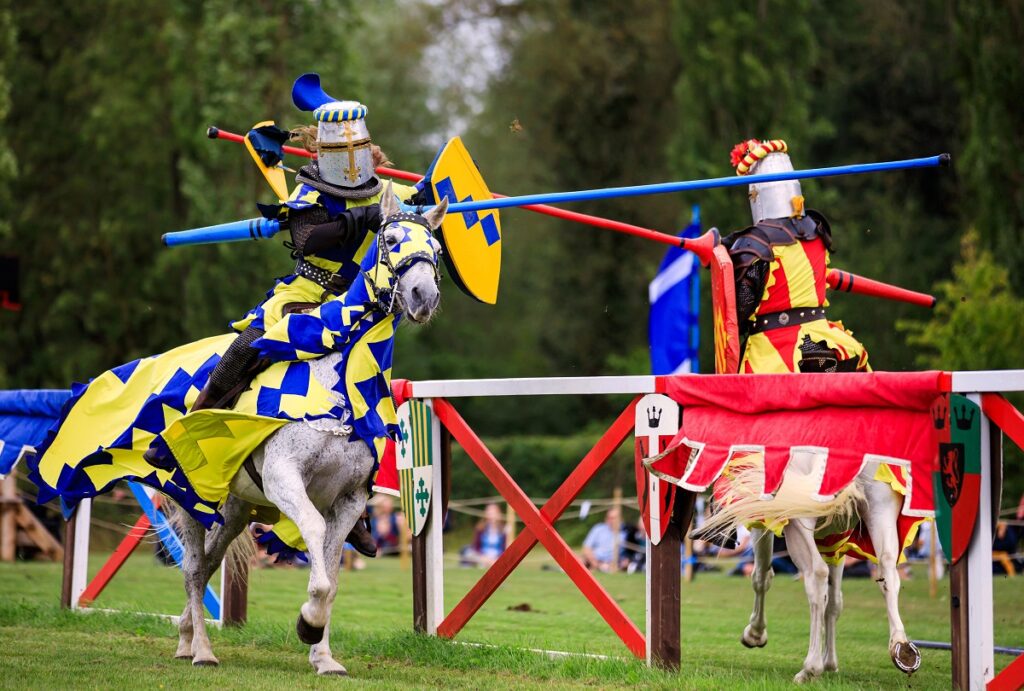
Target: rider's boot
{"x": 233, "y": 373}
{"x": 361, "y": 539}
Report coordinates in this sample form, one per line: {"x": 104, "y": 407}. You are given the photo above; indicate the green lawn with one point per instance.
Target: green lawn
{"x": 43, "y": 647}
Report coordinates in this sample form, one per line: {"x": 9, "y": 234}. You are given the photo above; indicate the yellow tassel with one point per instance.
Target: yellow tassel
{"x": 798, "y": 206}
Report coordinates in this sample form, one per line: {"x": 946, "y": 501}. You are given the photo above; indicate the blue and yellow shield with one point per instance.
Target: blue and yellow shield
{"x": 472, "y": 241}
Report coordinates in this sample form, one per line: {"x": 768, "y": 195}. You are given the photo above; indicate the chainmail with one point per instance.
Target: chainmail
{"x": 749, "y": 289}
{"x": 236, "y": 364}
{"x": 310, "y": 175}
{"x": 817, "y": 356}
{"x": 301, "y": 223}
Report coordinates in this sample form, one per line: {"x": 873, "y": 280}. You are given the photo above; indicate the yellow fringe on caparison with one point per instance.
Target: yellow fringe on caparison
{"x": 742, "y": 502}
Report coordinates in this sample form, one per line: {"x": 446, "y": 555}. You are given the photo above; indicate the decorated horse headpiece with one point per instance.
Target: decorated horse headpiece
{"x": 404, "y": 239}
{"x": 344, "y": 155}
{"x": 768, "y": 199}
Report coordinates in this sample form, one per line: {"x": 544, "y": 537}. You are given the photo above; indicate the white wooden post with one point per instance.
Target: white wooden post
{"x": 434, "y": 552}
{"x": 80, "y": 562}
{"x": 981, "y": 639}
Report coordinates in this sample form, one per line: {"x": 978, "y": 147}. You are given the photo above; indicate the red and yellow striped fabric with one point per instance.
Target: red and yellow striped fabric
{"x": 797, "y": 279}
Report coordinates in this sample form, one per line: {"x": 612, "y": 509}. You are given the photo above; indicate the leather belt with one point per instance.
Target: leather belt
{"x": 793, "y": 317}
{"x": 322, "y": 277}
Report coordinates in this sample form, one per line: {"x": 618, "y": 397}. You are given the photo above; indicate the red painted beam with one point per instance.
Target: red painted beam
{"x": 542, "y": 529}
{"x": 1010, "y": 679}
{"x": 552, "y": 510}
{"x": 115, "y": 562}
{"x": 1007, "y": 418}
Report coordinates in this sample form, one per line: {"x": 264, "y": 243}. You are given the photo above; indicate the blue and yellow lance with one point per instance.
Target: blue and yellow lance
{"x": 472, "y": 239}
{"x": 260, "y": 228}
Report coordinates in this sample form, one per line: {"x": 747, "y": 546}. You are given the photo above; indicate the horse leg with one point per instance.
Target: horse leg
{"x": 197, "y": 573}
{"x": 833, "y": 609}
{"x": 284, "y": 486}
{"x": 218, "y": 539}
{"x": 755, "y": 635}
{"x": 880, "y": 515}
{"x": 804, "y": 552}
{"x": 340, "y": 519}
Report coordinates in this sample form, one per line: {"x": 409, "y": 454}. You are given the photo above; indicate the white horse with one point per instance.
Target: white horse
{"x": 866, "y": 499}
{"x": 312, "y": 473}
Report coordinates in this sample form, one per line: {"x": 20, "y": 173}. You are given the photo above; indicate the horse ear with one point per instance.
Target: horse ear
{"x": 436, "y": 215}
{"x": 388, "y": 202}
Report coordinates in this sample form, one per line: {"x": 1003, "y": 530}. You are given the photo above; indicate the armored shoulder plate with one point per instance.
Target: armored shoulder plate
{"x": 756, "y": 242}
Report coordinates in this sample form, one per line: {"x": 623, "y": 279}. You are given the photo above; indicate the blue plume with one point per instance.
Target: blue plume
{"x": 307, "y": 94}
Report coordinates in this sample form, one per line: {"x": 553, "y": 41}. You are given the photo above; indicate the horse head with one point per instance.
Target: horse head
{"x": 403, "y": 268}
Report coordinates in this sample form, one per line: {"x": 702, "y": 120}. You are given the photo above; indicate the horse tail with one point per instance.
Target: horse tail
{"x": 741, "y": 501}
{"x": 240, "y": 552}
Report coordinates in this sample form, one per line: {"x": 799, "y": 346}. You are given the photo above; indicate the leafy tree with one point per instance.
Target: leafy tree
{"x": 977, "y": 319}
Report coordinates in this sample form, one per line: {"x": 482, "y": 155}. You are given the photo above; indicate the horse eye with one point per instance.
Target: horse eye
{"x": 392, "y": 236}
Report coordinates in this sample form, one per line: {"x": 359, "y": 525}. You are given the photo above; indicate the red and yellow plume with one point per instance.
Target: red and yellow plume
{"x": 745, "y": 154}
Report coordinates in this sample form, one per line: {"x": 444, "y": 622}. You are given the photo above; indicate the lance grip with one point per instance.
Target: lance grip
{"x": 852, "y": 283}
{"x": 236, "y": 231}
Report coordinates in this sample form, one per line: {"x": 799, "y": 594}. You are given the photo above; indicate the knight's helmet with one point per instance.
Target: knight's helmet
{"x": 768, "y": 199}
{"x": 344, "y": 155}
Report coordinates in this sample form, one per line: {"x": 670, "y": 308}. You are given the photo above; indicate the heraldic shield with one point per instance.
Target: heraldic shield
{"x": 723, "y": 307}
{"x": 957, "y": 476}
{"x": 657, "y": 422}
{"x": 414, "y": 456}
{"x": 471, "y": 240}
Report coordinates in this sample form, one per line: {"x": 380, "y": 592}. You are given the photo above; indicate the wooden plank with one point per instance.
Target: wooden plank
{"x": 518, "y": 548}
{"x": 959, "y": 599}
{"x": 38, "y": 533}
{"x": 981, "y": 639}
{"x": 542, "y": 528}
{"x": 1011, "y": 678}
{"x": 434, "y": 529}
{"x": 988, "y": 380}
{"x": 80, "y": 566}
{"x": 69, "y": 560}
{"x": 539, "y": 386}
{"x": 116, "y": 561}
{"x": 419, "y": 583}
{"x": 235, "y": 592}
{"x": 665, "y": 586}
{"x": 8, "y": 518}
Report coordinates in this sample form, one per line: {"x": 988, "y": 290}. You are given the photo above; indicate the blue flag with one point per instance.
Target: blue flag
{"x": 673, "y": 326}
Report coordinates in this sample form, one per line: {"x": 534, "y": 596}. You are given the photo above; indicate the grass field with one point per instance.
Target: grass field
{"x": 44, "y": 647}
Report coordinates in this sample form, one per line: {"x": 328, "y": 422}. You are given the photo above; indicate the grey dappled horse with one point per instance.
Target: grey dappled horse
{"x": 314, "y": 475}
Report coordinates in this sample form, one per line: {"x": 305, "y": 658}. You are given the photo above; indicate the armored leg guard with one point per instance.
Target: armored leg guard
{"x": 233, "y": 373}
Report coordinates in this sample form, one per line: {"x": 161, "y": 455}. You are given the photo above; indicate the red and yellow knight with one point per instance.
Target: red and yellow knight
{"x": 779, "y": 266}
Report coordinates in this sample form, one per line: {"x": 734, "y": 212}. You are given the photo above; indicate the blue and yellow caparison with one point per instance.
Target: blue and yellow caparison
{"x": 107, "y": 425}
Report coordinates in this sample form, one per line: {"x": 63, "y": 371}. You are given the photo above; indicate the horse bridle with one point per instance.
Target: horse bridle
{"x": 389, "y": 295}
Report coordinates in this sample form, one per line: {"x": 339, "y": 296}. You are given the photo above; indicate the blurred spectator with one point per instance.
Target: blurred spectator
{"x": 744, "y": 549}
{"x": 1006, "y": 541}
{"x": 386, "y": 524}
{"x": 633, "y": 555}
{"x": 488, "y": 539}
{"x": 599, "y": 546}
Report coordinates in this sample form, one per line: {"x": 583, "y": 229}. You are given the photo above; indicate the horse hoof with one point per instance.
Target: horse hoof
{"x": 804, "y": 676}
{"x": 749, "y": 640}
{"x": 905, "y": 656}
{"x": 310, "y": 635}
{"x": 338, "y": 672}
{"x": 183, "y": 656}
{"x": 205, "y": 662}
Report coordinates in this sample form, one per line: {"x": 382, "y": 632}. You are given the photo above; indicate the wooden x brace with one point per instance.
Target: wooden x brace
{"x": 539, "y": 526}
